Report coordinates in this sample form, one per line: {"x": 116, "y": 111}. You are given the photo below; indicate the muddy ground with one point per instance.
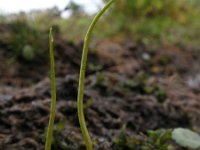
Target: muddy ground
{"x": 127, "y": 84}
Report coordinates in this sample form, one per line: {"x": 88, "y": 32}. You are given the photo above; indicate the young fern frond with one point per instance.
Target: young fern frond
{"x": 49, "y": 136}
{"x": 81, "y": 117}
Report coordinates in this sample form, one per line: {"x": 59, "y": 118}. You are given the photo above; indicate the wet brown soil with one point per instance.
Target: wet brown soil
{"x": 126, "y": 84}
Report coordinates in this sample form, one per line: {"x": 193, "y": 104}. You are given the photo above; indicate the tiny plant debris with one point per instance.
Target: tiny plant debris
{"x": 80, "y": 106}
{"x": 53, "y": 95}
{"x": 186, "y": 138}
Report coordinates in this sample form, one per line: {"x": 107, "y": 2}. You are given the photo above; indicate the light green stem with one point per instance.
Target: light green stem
{"x": 53, "y": 95}
{"x": 81, "y": 117}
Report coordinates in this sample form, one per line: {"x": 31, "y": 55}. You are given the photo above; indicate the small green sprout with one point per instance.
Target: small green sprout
{"x": 81, "y": 117}
{"x": 53, "y": 95}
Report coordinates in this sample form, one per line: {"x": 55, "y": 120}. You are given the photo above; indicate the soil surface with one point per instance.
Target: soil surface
{"x": 127, "y": 84}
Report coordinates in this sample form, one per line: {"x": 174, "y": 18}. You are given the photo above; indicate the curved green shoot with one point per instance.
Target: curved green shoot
{"x": 53, "y": 94}
{"x": 81, "y": 117}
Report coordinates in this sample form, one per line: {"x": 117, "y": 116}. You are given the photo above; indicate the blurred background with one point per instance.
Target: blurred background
{"x": 24, "y": 25}
{"x": 143, "y": 20}
{"x": 155, "y": 22}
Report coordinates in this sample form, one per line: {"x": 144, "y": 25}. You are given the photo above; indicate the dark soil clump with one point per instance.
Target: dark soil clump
{"x": 126, "y": 85}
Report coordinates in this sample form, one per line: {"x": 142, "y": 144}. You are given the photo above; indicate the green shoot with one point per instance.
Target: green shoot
{"x": 53, "y": 95}
{"x": 81, "y": 117}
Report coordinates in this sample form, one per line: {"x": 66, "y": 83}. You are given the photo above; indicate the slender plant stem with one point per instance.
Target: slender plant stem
{"x": 81, "y": 117}
{"x": 53, "y": 94}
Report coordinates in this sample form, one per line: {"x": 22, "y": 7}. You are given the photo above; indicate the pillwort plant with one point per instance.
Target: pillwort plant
{"x": 81, "y": 117}
{"x": 49, "y": 136}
